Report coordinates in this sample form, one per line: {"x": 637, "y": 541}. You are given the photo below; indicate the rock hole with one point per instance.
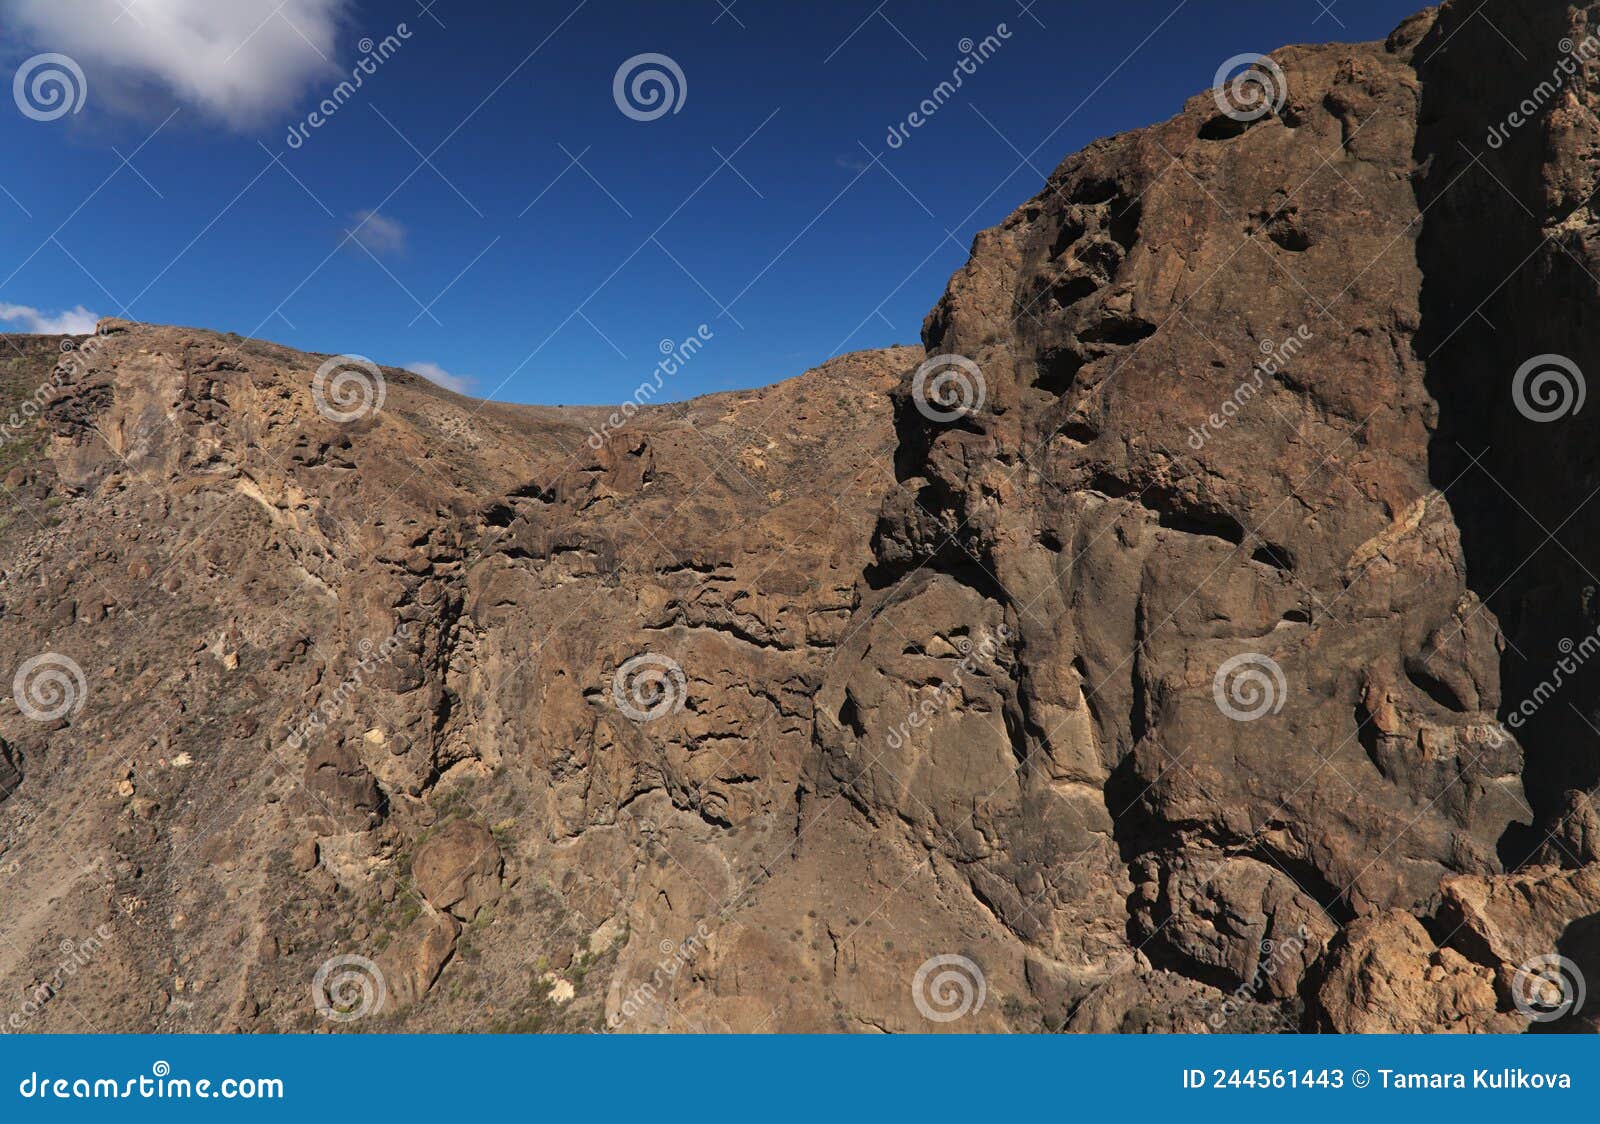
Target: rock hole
{"x": 1124, "y": 225}
{"x": 1070, "y": 290}
{"x": 1056, "y": 368}
{"x": 1279, "y": 558}
{"x": 1121, "y": 331}
{"x": 1221, "y": 128}
{"x": 1071, "y": 230}
{"x": 1214, "y": 524}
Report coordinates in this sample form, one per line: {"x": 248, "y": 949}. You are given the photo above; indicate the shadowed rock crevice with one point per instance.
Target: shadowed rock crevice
{"x": 1508, "y": 261}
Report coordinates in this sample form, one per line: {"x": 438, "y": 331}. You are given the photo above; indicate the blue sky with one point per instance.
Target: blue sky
{"x": 513, "y": 227}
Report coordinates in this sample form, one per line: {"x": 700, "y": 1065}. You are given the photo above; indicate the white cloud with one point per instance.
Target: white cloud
{"x": 378, "y": 233}
{"x": 437, "y": 374}
{"x": 236, "y": 59}
{"x": 73, "y": 322}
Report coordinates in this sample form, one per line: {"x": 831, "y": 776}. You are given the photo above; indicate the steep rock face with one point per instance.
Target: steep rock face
{"x": 1523, "y": 458}
{"x": 337, "y": 680}
{"x": 1239, "y": 686}
{"x": 1131, "y": 556}
{"x": 1150, "y": 651}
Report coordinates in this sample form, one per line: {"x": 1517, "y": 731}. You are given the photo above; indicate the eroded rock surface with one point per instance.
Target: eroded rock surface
{"x": 1179, "y": 684}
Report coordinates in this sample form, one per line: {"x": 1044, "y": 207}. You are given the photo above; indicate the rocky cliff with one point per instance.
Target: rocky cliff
{"x": 1192, "y": 635}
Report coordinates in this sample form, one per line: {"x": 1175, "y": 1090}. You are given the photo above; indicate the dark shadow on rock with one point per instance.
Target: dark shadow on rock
{"x": 1502, "y": 286}
{"x": 1580, "y": 944}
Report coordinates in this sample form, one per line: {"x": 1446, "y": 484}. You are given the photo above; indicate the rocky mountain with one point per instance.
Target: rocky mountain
{"x": 1191, "y": 635}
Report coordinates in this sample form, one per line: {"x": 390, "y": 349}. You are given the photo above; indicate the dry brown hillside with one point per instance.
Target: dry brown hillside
{"x": 1190, "y": 635}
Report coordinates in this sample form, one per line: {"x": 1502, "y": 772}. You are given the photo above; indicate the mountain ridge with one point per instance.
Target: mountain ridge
{"x": 953, "y": 688}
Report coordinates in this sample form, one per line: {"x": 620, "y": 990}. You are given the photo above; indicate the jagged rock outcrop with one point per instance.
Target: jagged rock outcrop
{"x": 458, "y": 868}
{"x": 1154, "y": 649}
